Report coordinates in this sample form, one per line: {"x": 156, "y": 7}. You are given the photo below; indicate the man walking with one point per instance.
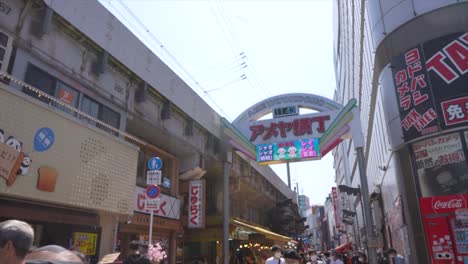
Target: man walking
{"x": 16, "y": 238}
{"x": 135, "y": 257}
{"x": 276, "y": 259}
{"x": 335, "y": 259}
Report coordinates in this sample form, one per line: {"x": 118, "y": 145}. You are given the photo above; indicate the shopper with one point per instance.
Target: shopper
{"x": 53, "y": 254}
{"x": 16, "y": 238}
{"x": 394, "y": 257}
{"x": 335, "y": 259}
{"x": 292, "y": 257}
{"x": 313, "y": 257}
{"x": 135, "y": 256}
{"x": 362, "y": 259}
{"x": 326, "y": 258}
{"x": 276, "y": 258}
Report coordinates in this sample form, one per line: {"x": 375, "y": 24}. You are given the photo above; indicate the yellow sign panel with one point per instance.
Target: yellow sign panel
{"x": 85, "y": 242}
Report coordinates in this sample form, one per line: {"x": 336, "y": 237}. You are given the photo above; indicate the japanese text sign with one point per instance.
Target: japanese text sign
{"x": 168, "y": 206}
{"x": 85, "y": 242}
{"x": 152, "y": 203}
{"x": 293, "y": 150}
{"x": 430, "y": 83}
{"x": 290, "y": 128}
{"x": 196, "y": 204}
{"x": 153, "y": 177}
{"x": 335, "y": 207}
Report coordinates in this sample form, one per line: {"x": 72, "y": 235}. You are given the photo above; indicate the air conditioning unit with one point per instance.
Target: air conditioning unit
{"x": 6, "y": 44}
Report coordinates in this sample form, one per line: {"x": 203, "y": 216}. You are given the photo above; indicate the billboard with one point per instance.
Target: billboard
{"x": 430, "y": 84}
{"x": 440, "y": 165}
{"x": 306, "y": 149}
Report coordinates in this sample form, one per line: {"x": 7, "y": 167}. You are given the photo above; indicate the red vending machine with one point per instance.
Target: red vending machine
{"x": 446, "y": 225}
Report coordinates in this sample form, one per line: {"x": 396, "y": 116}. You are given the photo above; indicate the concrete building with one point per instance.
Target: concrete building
{"x": 405, "y": 63}
{"x": 90, "y": 113}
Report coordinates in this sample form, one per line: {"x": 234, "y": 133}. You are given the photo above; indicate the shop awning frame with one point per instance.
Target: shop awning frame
{"x": 261, "y": 230}
{"x": 344, "y": 247}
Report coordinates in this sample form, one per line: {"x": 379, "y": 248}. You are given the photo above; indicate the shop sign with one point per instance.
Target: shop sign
{"x": 196, "y": 210}
{"x": 169, "y": 207}
{"x": 305, "y": 149}
{"x": 85, "y": 242}
{"x": 443, "y": 204}
{"x": 335, "y": 206}
{"x": 430, "y": 82}
{"x": 440, "y": 165}
{"x": 65, "y": 96}
{"x": 9, "y": 162}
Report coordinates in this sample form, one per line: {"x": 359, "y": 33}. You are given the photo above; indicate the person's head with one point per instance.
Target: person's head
{"x": 276, "y": 251}
{"x": 134, "y": 246}
{"x": 326, "y": 255}
{"x": 334, "y": 255}
{"x": 53, "y": 254}
{"x": 391, "y": 253}
{"x": 362, "y": 257}
{"x": 16, "y": 238}
{"x": 291, "y": 256}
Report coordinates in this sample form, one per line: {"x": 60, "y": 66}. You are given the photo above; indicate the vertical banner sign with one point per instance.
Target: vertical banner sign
{"x": 431, "y": 85}
{"x": 335, "y": 206}
{"x": 196, "y": 202}
{"x": 416, "y": 104}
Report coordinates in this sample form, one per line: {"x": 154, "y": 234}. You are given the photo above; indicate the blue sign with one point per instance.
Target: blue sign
{"x": 154, "y": 163}
{"x": 44, "y": 139}
{"x": 167, "y": 183}
{"x": 153, "y": 191}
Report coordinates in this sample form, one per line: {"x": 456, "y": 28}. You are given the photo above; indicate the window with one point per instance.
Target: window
{"x": 52, "y": 86}
{"x": 5, "y": 50}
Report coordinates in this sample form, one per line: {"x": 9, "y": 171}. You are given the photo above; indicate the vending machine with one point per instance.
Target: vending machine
{"x": 446, "y": 226}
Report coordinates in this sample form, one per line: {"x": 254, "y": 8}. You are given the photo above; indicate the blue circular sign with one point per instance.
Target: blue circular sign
{"x": 154, "y": 163}
{"x": 153, "y": 191}
{"x": 43, "y": 139}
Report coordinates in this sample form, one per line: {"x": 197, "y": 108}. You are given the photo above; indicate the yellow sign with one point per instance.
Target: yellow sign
{"x": 85, "y": 242}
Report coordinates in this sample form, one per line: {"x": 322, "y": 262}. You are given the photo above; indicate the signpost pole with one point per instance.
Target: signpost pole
{"x": 226, "y": 208}
{"x": 368, "y": 220}
{"x": 150, "y": 228}
{"x": 289, "y": 174}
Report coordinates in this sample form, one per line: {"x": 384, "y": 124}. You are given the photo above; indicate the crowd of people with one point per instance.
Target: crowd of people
{"x": 16, "y": 247}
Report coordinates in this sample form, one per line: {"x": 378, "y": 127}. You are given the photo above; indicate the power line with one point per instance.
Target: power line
{"x": 195, "y": 83}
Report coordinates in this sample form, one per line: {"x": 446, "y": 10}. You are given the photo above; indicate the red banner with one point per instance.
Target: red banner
{"x": 443, "y": 204}
{"x": 335, "y": 207}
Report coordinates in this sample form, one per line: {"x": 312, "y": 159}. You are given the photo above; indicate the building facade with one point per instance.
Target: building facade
{"x": 81, "y": 116}
{"x": 405, "y": 63}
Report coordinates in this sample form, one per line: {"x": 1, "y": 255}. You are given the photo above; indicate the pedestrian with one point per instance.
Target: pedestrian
{"x": 313, "y": 257}
{"x": 276, "y": 258}
{"x": 53, "y": 254}
{"x": 394, "y": 258}
{"x": 362, "y": 258}
{"x": 335, "y": 259}
{"x": 135, "y": 256}
{"x": 291, "y": 256}
{"x": 16, "y": 238}
{"x": 326, "y": 258}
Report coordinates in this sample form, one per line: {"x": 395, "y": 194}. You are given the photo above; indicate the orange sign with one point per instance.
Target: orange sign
{"x": 66, "y": 96}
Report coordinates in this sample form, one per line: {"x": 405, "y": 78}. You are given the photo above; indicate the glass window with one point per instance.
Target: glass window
{"x": 440, "y": 164}
{"x": 90, "y": 107}
{"x": 67, "y": 95}
{"x": 109, "y": 116}
{"x": 40, "y": 80}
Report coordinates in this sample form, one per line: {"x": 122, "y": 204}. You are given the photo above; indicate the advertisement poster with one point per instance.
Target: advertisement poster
{"x": 196, "y": 204}
{"x": 440, "y": 165}
{"x": 305, "y": 149}
{"x": 430, "y": 83}
{"x": 85, "y": 242}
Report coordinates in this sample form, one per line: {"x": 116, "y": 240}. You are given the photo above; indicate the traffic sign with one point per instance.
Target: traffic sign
{"x": 153, "y": 177}
{"x": 153, "y": 191}
{"x": 152, "y": 203}
{"x": 154, "y": 163}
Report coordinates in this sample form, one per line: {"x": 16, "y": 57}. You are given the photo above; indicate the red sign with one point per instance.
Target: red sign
{"x": 455, "y": 111}
{"x": 443, "y": 204}
{"x": 66, "y": 96}
{"x": 153, "y": 191}
{"x": 299, "y": 127}
{"x": 335, "y": 206}
{"x": 196, "y": 210}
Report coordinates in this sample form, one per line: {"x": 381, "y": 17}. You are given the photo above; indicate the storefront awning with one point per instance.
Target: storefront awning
{"x": 261, "y": 230}
{"x": 344, "y": 247}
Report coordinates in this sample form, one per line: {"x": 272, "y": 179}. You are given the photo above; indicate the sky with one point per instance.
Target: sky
{"x": 236, "y": 53}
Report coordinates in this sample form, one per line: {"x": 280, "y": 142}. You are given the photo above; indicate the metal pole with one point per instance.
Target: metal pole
{"x": 226, "y": 213}
{"x": 289, "y": 175}
{"x": 114, "y": 246}
{"x": 150, "y": 228}
{"x": 368, "y": 221}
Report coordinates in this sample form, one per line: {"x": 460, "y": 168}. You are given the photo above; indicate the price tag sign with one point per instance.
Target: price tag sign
{"x": 152, "y": 203}
{"x": 153, "y": 177}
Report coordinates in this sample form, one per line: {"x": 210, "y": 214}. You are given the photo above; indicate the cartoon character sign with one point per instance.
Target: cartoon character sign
{"x": 13, "y": 162}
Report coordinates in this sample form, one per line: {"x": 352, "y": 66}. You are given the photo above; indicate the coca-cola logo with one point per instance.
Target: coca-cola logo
{"x": 455, "y": 203}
